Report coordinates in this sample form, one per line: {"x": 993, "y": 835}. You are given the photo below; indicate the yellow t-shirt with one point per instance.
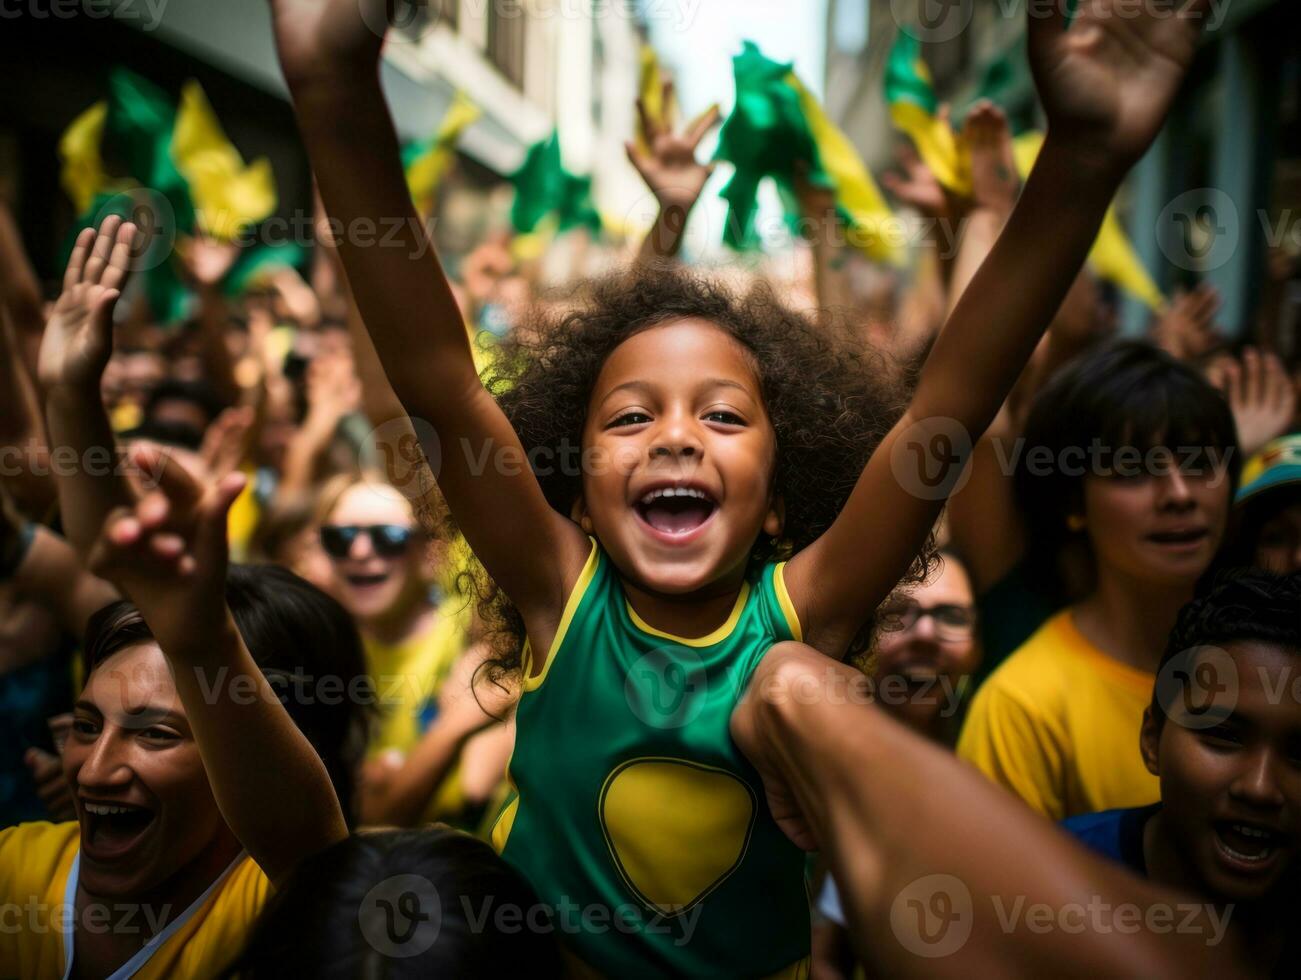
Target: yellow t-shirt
{"x": 1058, "y": 724}
{"x": 35, "y": 861}
{"x": 409, "y": 675}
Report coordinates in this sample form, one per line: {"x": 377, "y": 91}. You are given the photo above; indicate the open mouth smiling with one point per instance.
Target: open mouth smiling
{"x": 675, "y": 514}
{"x": 111, "y": 830}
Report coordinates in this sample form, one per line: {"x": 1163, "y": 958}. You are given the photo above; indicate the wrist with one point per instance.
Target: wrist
{"x": 1089, "y": 162}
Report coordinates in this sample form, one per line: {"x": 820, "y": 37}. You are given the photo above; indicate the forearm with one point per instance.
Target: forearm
{"x": 664, "y": 240}
{"x": 999, "y": 317}
{"x": 271, "y": 786}
{"x": 20, "y": 290}
{"x": 880, "y": 802}
{"x": 218, "y": 364}
{"x": 88, "y": 478}
{"x": 307, "y": 446}
{"x": 409, "y": 791}
{"x": 399, "y": 285}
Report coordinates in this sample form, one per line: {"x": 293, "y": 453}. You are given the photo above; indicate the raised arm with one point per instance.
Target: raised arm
{"x": 1106, "y": 84}
{"x": 169, "y": 555}
{"x": 934, "y": 890}
{"x": 329, "y": 51}
{"x": 667, "y": 163}
{"x": 75, "y": 347}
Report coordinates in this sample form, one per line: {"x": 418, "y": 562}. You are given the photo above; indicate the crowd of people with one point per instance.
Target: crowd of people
{"x": 379, "y": 621}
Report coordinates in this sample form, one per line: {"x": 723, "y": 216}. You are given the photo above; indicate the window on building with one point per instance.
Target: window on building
{"x": 506, "y": 29}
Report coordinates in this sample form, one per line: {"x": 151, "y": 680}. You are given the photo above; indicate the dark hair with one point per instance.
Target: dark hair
{"x": 182, "y": 435}
{"x": 1241, "y": 604}
{"x": 830, "y": 399}
{"x": 198, "y": 393}
{"x": 1250, "y": 518}
{"x": 1122, "y": 397}
{"x": 325, "y": 921}
{"x": 293, "y": 631}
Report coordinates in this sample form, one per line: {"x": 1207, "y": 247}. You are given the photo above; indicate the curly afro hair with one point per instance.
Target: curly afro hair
{"x": 1241, "y": 604}
{"x": 829, "y": 397}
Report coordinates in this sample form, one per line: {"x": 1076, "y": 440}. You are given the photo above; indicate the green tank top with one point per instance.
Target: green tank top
{"x": 636, "y": 819}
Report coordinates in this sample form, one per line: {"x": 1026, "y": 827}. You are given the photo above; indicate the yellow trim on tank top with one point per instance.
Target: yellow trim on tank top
{"x": 784, "y": 600}
{"x": 717, "y": 636}
{"x": 571, "y": 608}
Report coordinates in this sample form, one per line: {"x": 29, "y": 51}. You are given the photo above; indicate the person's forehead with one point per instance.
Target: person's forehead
{"x": 132, "y": 678}
{"x": 948, "y": 584}
{"x": 1268, "y": 682}
{"x": 686, "y": 351}
{"x": 371, "y": 503}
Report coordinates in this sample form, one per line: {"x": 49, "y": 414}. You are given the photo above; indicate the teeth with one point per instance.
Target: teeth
{"x": 104, "y": 810}
{"x": 674, "y": 492}
{"x": 1246, "y": 831}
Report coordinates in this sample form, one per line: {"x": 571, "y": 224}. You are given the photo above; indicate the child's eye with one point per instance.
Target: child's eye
{"x": 630, "y": 418}
{"x": 724, "y": 417}
{"x": 155, "y": 734}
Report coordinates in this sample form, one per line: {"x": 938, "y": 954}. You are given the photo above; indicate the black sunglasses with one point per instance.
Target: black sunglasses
{"x": 388, "y": 540}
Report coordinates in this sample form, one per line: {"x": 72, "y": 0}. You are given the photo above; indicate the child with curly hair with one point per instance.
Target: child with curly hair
{"x": 737, "y": 487}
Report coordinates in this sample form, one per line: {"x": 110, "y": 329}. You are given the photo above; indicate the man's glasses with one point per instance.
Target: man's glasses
{"x": 388, "y": 540}
{"x": 952, "y": 622}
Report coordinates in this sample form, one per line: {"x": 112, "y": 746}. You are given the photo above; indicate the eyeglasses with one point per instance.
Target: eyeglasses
{"x": 388, "y": 540}
{"x": 952, "y": 622}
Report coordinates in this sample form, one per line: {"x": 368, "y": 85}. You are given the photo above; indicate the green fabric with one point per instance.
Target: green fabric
{"x": 543, "y": 187}
{"x": 259, "y": 259}
{"x": 138, "y": 135}
{"x": 615, "y": 697}
{"x": 904, "y": 82}
{"x": 766, "y": 135}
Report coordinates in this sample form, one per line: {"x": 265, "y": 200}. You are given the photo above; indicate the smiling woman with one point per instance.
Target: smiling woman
{"x": 149, "y": 835}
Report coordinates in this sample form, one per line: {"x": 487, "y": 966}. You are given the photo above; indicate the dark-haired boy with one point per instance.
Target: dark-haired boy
{"x": 1223, "y": 735}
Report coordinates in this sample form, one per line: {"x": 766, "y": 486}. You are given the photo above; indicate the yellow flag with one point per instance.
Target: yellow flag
{"x": 83, "y": 168}
{"x": 856, "y": 191}
{"x": 1112, "y": 257}
{"x": 944, "y": 154}
{"x": 650, "y": 88}
{"x": 426, "y": 171}
{"x": 227, "y": 194}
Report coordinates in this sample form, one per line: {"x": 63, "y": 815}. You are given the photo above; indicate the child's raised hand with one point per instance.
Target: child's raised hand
{"x": 78, "y": 338}
{"x": 1107, "y": 82}
{"x": 320, "y": 39}
{"x": 994, "y": 180}
{"x": 168, "y": 552}
{"x": 670, "y": 168}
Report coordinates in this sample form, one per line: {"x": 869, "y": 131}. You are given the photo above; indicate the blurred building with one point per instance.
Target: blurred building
{"x": 1218, "y": 196}
{"x": 528, "y": 64}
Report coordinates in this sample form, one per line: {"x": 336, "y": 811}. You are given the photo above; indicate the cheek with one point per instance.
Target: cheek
{"x": 178, "y": 779}
{"x": 1116, "y": 512}
{"x": 1191, "y": 776}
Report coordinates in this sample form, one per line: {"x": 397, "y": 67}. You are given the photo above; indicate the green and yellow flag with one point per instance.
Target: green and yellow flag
{"x": 83, "y": 175}
{"x": 914, "y": 109}
{"x": 228, "y": 195}
{"x": 778, "y": 130}
{"x": 544, "y": 187}
{"x": 426, "y": 162}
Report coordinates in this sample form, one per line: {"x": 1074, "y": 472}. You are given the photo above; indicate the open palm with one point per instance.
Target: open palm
{"x": 670, "y": 168}
{"x": 1108, "y": 81}
{"x": 78, "y": 339}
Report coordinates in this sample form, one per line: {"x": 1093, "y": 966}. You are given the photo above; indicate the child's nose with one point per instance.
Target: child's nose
{"x": 362, "y": 548}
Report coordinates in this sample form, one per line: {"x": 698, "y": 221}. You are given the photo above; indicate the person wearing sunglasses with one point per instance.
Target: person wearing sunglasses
{"x": 383, "y": 569}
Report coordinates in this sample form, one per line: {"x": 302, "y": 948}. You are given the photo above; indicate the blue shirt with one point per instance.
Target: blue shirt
{"x": 1115, "y": 834}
